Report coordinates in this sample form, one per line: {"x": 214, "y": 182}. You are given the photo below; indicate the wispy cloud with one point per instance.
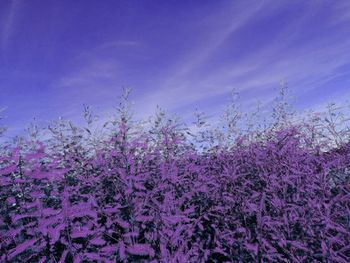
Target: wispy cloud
{"x": 342, "y": 13}
{"x": 305, "y": 63}
{"x": 9, "y": 23}
{"x": 184, "y": 59}
{"x": 91, "y": 83}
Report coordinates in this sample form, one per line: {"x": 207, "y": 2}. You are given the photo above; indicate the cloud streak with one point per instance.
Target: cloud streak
{"x": 306, "y": 66}
{"x": 9, "y": 23}
{"x": 181, "y": 57}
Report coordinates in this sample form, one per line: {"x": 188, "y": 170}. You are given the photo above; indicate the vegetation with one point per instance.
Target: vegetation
{"x": 244, "y": 191}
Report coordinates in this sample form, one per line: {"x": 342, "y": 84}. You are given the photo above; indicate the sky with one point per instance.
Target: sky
{"x": 180, "y": 55}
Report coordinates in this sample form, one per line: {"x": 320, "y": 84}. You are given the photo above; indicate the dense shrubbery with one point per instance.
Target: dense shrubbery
{"x": 276, "y": 194}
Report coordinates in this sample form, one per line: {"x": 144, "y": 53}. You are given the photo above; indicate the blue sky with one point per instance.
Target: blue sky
{"x": 181, "y": 55}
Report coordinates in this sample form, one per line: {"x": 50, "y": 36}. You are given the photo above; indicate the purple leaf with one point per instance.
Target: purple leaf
{"x": 141, "y": 250}
{"x": 21, "y": 248}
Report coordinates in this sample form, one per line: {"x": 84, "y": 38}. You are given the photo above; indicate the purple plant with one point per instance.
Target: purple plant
{"x": 150, "y": 196}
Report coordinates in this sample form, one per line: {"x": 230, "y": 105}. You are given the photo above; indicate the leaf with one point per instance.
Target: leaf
{"x": 139, "y": 186}
{"x": 81, "y": 232}
{"x": 252, "y": 247}
{"x": 112, "y": 210}
{"x": 54, "y": 174}
{"x": 63, "y": 257}
{"x": 163, "y": 251}
{"x": 21, "y": 248}
{"x": 97, "y": 242}
{"x": 123, "y": 223}
{"x": 8, "y": 169}
{"x": 109, "y": 250}
{"x": 121, "y": 250}
{"x": 175, "y": 219}
{"x": 131, "y": 234}
{"x": 93, "y": 256}
{"x": 55, "y": 233}
{"x": 26, "y": 215}
{"x": 82, "y": 210}
{"x": 142, "y": 218}
{"x": 37, "y": 194}
{"x": 77, "y": 258}
{"x": 141, "y": 250}
{"x": 5, "y": 181}
{"x": 200, "y": 226}
{"x": 11, "y": 200}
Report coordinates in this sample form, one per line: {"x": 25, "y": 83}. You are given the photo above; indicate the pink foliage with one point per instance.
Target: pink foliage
{"x": 274, "y": 200}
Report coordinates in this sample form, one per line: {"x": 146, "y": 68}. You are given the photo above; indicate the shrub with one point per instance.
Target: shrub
{"x": 269, "y": 195}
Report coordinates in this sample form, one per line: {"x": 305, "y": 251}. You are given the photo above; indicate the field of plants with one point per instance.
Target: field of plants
{"x": 158, "y": 191}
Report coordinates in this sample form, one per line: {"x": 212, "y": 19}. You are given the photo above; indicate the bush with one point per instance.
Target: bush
{"x": 272, "y": 195}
